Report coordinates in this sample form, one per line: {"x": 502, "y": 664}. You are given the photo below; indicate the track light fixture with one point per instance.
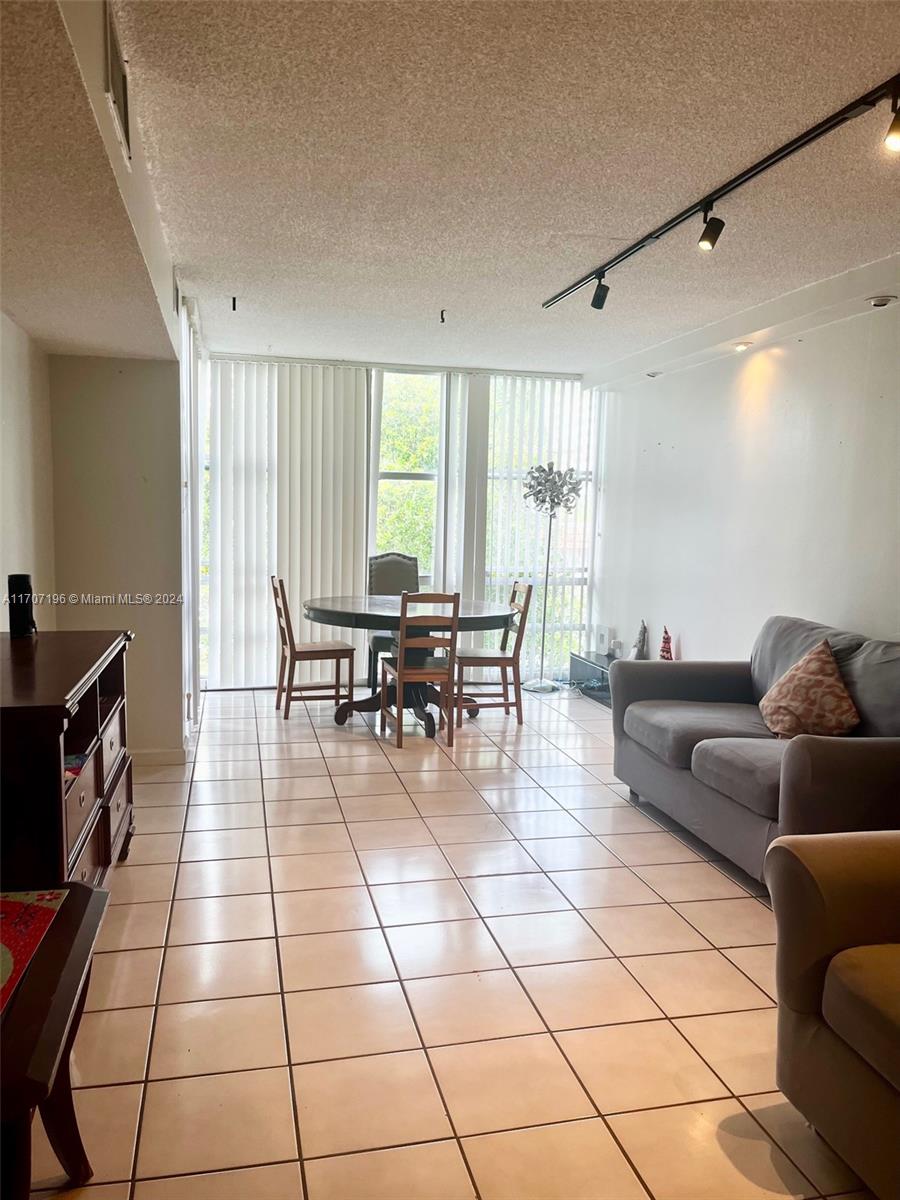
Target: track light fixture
{"x": 712, "y": 230}
{"x": 601, "y": 291}
{"x": 713, "y": 226}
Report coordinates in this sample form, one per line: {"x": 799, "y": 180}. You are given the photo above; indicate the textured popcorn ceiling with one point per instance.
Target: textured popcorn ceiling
{"x": 348, "y": 170}
{"x": 72, "y": 273}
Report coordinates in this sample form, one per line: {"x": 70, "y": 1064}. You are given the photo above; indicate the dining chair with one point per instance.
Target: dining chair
{"x": 422, "y": 636}
{"x": 389, "y": 575}
{"x": 304, "y": 652}
{"x": 508, "y": 660}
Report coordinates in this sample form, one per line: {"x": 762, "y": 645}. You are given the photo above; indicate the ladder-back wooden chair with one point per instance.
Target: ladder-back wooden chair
{"x": 420, "y": 639}
{"x": 390, "y": 574}
{"x": 506, "y": 658}
{"x": 304, "y": 652}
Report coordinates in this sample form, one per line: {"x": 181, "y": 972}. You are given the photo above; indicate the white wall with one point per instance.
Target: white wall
{"x": 116, "y": 450}
{"x": 767, "y": 482}
{"x": 26, "y": 468}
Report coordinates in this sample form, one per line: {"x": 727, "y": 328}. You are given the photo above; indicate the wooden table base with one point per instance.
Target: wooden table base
{"x": 418, "y": 697}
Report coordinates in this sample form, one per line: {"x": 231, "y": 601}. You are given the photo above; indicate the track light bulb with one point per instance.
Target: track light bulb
{"x": 740, "y": 347}
{"x": 600, "y": 293}
{"x": 892, "y": 137}
{"x": 712, "y": 231}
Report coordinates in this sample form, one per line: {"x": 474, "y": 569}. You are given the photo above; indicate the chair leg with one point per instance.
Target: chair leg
{"x": 505, "y": 679}
{"x": 289, "y": 692}
{"x": 372, "y": 674}
{"x": 460, "y": 685}
{"x": 447, "y": 698}
{"x": 383, "y": 722}
{"x": 350, "y": 681}
{"x": 279, "y": 691}
{"x": 399, "y": 707}
{"x": 517, "y": 688}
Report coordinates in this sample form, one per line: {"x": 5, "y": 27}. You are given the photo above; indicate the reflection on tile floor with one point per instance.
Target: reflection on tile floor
{"x": 335, "y": 970}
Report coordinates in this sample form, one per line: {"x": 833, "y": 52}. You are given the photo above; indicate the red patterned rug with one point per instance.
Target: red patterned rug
{"x": 24, "y": 919}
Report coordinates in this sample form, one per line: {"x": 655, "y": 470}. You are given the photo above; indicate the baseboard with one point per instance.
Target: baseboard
{"x": 159, "y": 758}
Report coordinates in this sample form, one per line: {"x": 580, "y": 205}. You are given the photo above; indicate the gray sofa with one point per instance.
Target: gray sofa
{"x": 689, "y": 738}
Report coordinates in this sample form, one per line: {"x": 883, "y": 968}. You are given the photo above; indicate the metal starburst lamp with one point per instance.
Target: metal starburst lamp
{"x": 551, "y": 492}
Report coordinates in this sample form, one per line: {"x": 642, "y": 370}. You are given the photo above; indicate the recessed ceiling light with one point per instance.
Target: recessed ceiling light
{"x": 654, "y": 374}
{"x": 740, "y": 347}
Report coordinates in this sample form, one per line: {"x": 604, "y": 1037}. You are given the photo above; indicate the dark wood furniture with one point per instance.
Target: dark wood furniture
{"x": 507, "y": 658}
{"x": 383, "y": 612}
{"x": 63, "y": 693}
{"x": 590, "y": 673}
{"x": 421, "y": 635}
{"x": 303, "y": 652}
{"x": 39, "y": 1026}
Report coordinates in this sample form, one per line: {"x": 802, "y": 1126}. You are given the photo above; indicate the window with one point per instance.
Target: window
{"x": 409, "y": 436}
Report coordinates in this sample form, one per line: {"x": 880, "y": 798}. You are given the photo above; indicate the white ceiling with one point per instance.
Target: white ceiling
{"x": 347, "y": 170}
{"x": 72, "y": 273}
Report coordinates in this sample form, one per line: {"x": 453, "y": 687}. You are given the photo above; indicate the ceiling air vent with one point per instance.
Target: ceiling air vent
{"x": 117, "y": 85}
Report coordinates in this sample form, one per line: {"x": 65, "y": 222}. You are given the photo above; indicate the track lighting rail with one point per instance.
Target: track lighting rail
{"x": 889, "y": 90}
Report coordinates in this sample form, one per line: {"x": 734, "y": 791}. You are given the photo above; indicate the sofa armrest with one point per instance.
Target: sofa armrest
{"x": 830, "y": 892}
{"x": 831, "y": 785}
{"x": 728, "y": 682}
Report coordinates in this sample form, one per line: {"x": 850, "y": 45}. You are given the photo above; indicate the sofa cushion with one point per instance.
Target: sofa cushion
{"x": 810, "y": 698}
{"x": 872, "y": 676}
{"x": 671, "y": 729}
{"x": 747, "y": 770}
{"x": 783, "y": 641}
{"x": 861, "y": 1003}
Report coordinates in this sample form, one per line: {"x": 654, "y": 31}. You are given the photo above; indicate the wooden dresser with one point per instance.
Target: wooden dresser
{"x": 63, "y": 694}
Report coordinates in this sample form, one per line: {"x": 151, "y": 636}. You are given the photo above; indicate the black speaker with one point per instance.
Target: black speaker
{"x": 21, "y": 609}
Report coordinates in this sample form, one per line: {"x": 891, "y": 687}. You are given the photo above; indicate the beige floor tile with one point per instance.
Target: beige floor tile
{"x": 222, "y": 877}
{"x": 111, "y": 1047}
{"x": 303, "y": 872}
{"x": 229, "y": 769}
{"x": 313, "y": 788}
{"x": 150, "y": 773}
{"x": 360, "y": 764}
{"x": 590, "y": 795}
{"x": 576, "y": 994}
{"x": 243, "y": 753}
{"x": 294, "y": 768}
{"x": 364, "y": 1103}
{"x": 640, "y": 1065}
{"x": 208, "y": 1037}
{"x": 386, "y": 835}
{"x": 488, "y": 858}
{"x": 167, "y": 819}
{"x": 417, "y": 782}
{"x": 739, "y": 1046}
{"x": 308, "y": 839}
{"x": 154, "y": 848}
{"x": 339, "y": 748}
{"x": 450, "y": 804}
{"x": 549, "y": 756}
{"x": 759, "y": 963}
{"x": 133, "y": 926}
{"x": 799, "y": 1140}
{"x": 221, "y": 919}
{"x": 644, "y": 929}
{"x": 324, "y": 910}
{"x": 550, "y": 777}
{"x": 731, "y": 922}
{"x": 730, "y": 1156}
{"x": 623, "y": 820}
{"x": 471, "y": 1007}
{"x": 138, "y": 885}
{"x": 223, "y": 843}
{"x": 496, "y": 895}
{"x": 405, "y": 865}
{"x": 107, "y": 1119}
{"x": 531, "y": 799}
{"x": 235, "y": 791}
{"x": 642, "y": 849}
{"x": 690, "y": 881}
{"x": 578, "y": 1160}
{"x": 410, "y": 903}
{"x": 253, "y": 1122}
{"x": 279, "y": 1182}
{"x": 124, "y": 979}
{"x": 322, "y": 810}
{"x": 508, "y": 1083}
{"x": 330, "y": 960}
{"x": 478, "y": 827}
{"x": 444, "y": 948}
{"x": 309, "y": 750}
{"x": 696, "y": 982}
{"x": 540, "y": 825}
{"x": 103, "y": 1191}
{"x": 498, "y": 777}
{"x": 570, "y": 853}
{"x": 435, "y": 1170}
{"x": 546, "y": 938}
{"x": 377, "y": 808}
{"x": 217, "y": 970}
{"x": 226, "y": 816}
{"x": 384, "y": 783}
{"x": 345, "y": 1022}
{"x": 152, "y": 795}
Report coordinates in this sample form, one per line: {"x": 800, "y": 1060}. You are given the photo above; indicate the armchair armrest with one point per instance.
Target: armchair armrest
{"x": 728, "y": 682}
{"x": 830, "y": 892}
{"x": 830, "y": 785}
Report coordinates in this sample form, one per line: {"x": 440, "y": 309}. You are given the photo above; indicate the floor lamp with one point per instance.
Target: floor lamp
{"x": 551, "y": 492}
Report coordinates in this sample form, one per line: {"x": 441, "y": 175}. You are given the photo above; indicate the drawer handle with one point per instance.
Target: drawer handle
{"x": 81, "y": 799}
{"x": 84, "y": 874}
{"x": 118, "y": 806}
{"x": 112, "y": 743}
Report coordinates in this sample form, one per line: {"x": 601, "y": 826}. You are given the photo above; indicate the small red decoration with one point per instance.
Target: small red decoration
{"x": 665, "y": 650}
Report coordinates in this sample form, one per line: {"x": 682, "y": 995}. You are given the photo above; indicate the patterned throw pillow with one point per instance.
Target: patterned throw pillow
{"x": 810, "y": 698}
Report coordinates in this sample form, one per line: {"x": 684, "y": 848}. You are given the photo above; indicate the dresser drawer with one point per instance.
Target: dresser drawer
{"x": 90, "y": 865}
{"x": 112, "y": 744}
{"x": 81, "y": 800}
{"x": 116, "y": 815}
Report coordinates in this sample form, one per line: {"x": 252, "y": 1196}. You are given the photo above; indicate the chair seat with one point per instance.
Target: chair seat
{"x": 431, "y": 668}
{"x": 670, "y": 729}
{"x": 482, "y": 656}
{"x": 324, "y": 648}
{"x": 861, "y": 1003}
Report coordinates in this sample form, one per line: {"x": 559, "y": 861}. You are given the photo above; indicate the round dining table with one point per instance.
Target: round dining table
{"x": 382, "y": 614}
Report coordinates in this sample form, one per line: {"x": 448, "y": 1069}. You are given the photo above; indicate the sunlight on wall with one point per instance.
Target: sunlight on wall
{"x": 758, "y": 388}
